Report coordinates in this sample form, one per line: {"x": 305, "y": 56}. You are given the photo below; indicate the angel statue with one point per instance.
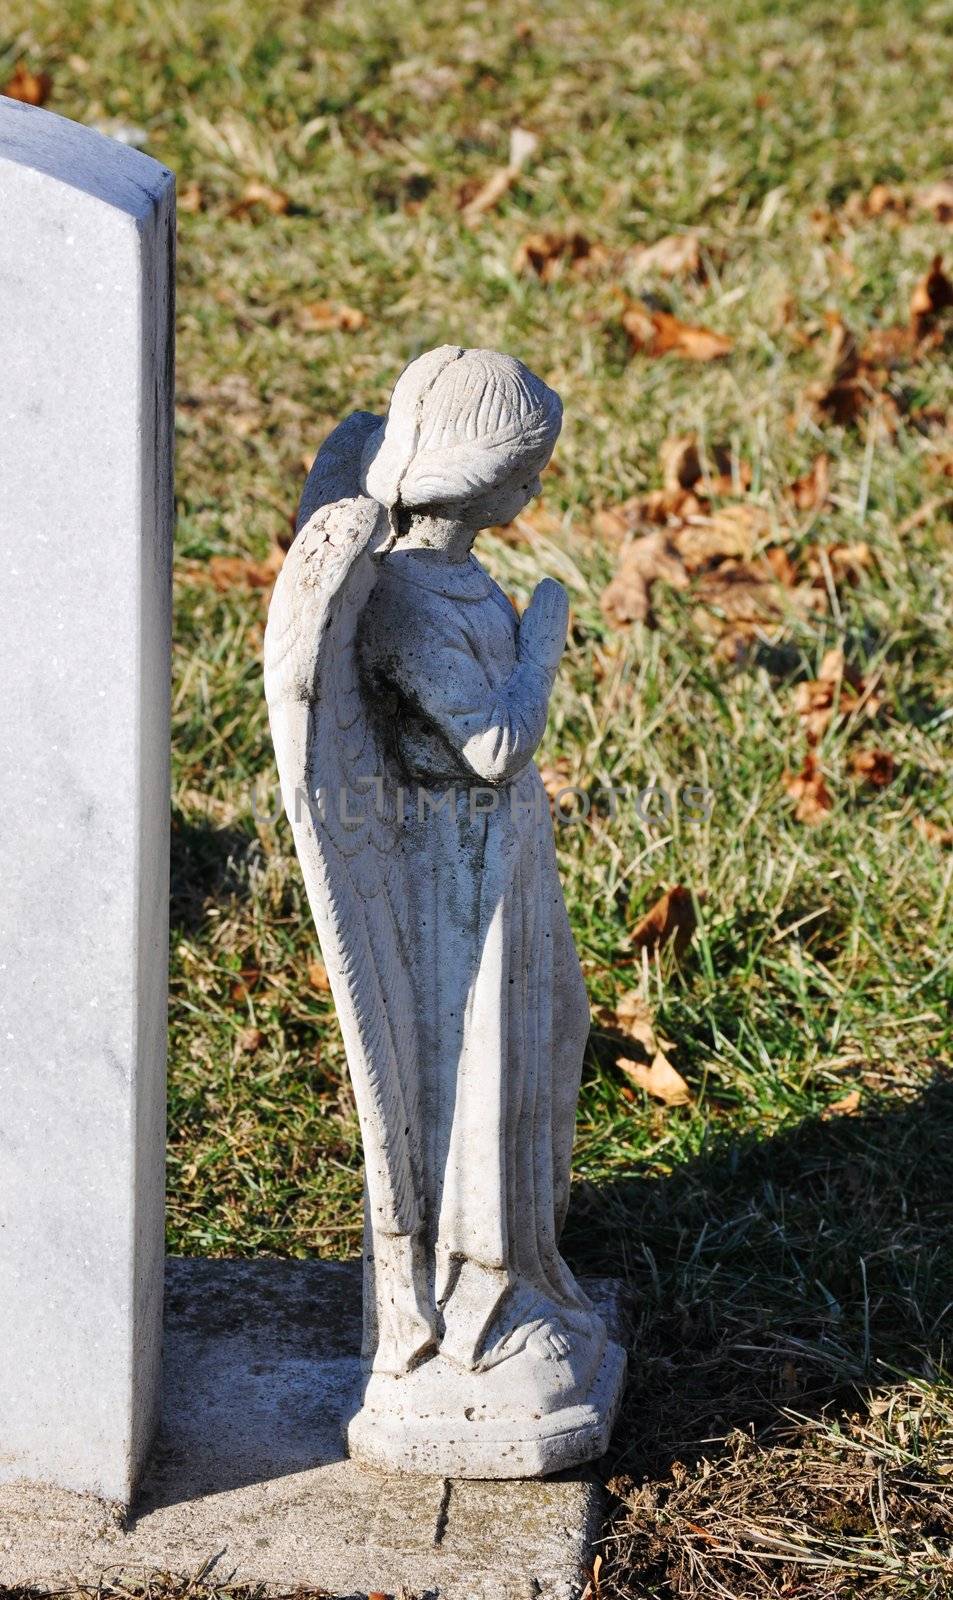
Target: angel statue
{"x": 406, "y": 699}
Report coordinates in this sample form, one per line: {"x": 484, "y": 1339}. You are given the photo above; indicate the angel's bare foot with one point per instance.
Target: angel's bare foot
{"x": 469, "y": 1309}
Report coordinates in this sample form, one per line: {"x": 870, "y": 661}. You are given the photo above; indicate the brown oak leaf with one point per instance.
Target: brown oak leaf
{"x": 933, "y": 832}
{"x": 811, "y": 492}
{"x": 932, "y": 294}
{"x": 837, "y": 687}
{"x": 672, "y": 918}
{"x": 875, "y": 767}
{"x": 238, "y": 572}
{"x": 680, "y": 462}
{"x": 659, "y": 333}
{"x": 938, "y": 198}
{"x": 549, "y": 253}
{"x": 847, "y": 1106}
{"x": 837, "y": 562}
{"x": 329, "y": 316}
{"x": 676, "y": 255}
{"x": 628, "y": 598}
{"x": 257, "y": 194}
{"x": 29, "y": 87}
{"x": 809, "y": 790}
{"x": 659, "y": 1079}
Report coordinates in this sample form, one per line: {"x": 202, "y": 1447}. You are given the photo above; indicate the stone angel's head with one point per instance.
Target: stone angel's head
{"x": 466, "y": 436}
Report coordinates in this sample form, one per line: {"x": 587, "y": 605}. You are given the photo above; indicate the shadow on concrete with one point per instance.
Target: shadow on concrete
{"x": 261, "y": 1374}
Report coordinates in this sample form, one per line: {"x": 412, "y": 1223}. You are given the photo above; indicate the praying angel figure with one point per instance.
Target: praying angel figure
{"x": 407, "y": 699}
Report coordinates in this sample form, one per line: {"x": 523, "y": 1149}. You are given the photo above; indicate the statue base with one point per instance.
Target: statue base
{"x": 249, "y": 1482}
{"x": 441, "y": 1422}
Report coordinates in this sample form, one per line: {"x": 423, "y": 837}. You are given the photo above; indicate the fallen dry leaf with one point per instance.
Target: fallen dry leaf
{"x": 556, "y": 777}
{"x": 190, "y": 198}
{"x": 710, "y": 548}
{"x": 815, "y": 698}
{"x": 672, "y": 918}
{"x": 938, "y": 198}
{"x": 31, "y": 88}
{"x": 628, "y": 598}
{"x": 256, "y": 193}
{"x": 742, "y": 601}
{"x": 842, "y": 562}
{"x": 616, "y": 523}
{"x": 593, "y": 1590}
{"x": 659, "y": 1079}
{"x": 732, "y": 477}
{"x": 548, "y": 254}
{"x": 857, "y": 377}
{"x": 875, "y": 767}
{"x": 318, "y": 977}
{"x": 809, "y": 790}
{"x": 680, "y": 462}
{"x": 663, "y": 507}
{"x": 933, "y": 832}
{"x": 882, "y": 201}
{"x": 835, "y": 689}
{"x": 634, "y": 1018}
{"x": 677, "y": 255}
{"x": 238, "y": 572}
{"x": 781, "y": 566}
{"x": 250, "y": 1040}
{"x": 659, "y": 333}
{"x": 329, "y": 316}
{"x": 811, "y": 492}
{"x": 886, "y": 349}
{"x": 248, "y": 979}
{"x": 726, "y": 535}
{"x": 847, "y": 1106}
{"x": 844, "y": 394}
{"x": 932, "y": 295}
{"x": 523, "y": 144}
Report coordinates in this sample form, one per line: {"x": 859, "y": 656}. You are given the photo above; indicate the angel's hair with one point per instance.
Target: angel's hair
{"x": 460, "y": 422}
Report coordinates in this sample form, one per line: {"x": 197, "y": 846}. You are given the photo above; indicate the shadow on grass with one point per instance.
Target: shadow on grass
{"x": 782, "y": 1273}
{"x": 207, "y": 866}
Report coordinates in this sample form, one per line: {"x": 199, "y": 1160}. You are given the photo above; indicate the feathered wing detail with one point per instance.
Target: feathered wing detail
{"x": 336, "y": 470}
{"x": 342, "y": 816}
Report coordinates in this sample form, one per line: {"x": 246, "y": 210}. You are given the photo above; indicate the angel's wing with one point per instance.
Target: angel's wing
{"x": 335, "y": 471}
{"x": 339, "y": 804}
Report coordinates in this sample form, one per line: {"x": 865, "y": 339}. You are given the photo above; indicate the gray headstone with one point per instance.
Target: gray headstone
{"x": 86, "y": 287}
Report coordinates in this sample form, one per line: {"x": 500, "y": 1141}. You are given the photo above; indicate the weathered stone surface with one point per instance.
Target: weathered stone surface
{"x": 407, "y": 699}
{"x": 262, "y": 1373}
{"x": 86, "y": 241}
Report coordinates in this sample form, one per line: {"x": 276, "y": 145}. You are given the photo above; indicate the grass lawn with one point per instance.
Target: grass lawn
{"x": 787, "y": 1232}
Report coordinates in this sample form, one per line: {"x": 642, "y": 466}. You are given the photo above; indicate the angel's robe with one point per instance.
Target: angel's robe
{"x": 501, "y": 1003}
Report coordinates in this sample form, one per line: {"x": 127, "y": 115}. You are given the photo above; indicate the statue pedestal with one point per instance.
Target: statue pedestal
{"x": 451, "y": 1424}
{"x": 250, "y": 1477}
